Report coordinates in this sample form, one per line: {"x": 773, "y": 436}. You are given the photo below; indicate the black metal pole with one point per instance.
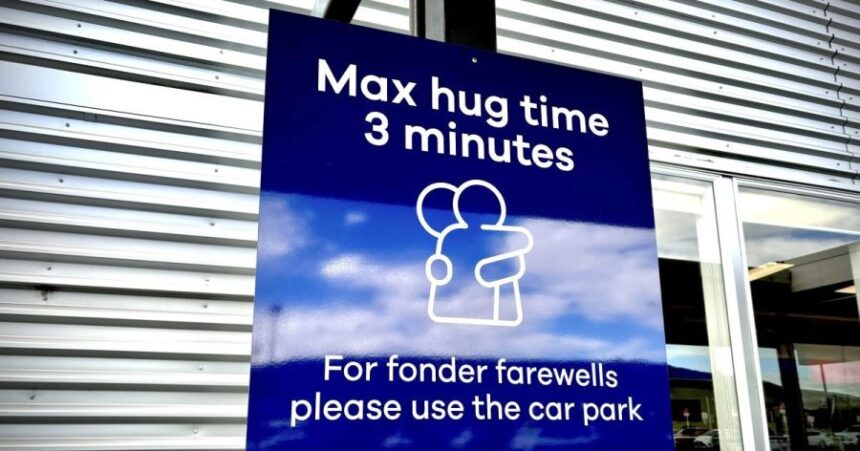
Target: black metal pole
{"x": 795, "y": 412}
{"x": 467, "y": 22}
{"x": 340, "y": 10}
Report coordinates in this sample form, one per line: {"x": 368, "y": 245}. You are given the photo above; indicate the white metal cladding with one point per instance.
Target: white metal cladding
{"x": 129, "y": 165}
{"x": 761, "y": 88}
{"x": 844, "y": 24}
{"x": 129, "y": 179}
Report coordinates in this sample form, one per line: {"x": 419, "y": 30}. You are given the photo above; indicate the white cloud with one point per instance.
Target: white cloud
{"x": 285, "y": 230}
{"x": 530, "y": 438}
{"x": 601, "y": 272}
{"x": 597, "y": 272}
{"x": 402, "y": 327}
{"x": 344, "y": 266}
{"x": 397, "y": 440}
{"x": 354, "y": 218}
{"x": 678, "y": 236}
{"x": 771, "y": 244}
{"x": 464, "y": 438}
{"x": 390, "y": 279}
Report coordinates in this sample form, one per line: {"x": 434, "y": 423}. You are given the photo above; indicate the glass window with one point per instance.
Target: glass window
{"x": 803, "y": 254}
{"x": 701, "y": 377}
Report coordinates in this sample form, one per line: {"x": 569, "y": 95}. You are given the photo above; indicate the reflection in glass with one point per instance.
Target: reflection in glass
{"x": 701, "y": 378}
{"x": 804, "y": 259}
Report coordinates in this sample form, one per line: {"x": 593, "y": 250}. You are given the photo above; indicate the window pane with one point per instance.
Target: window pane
{"x": 701, "y": 378}
{"x": 804, "y": 258}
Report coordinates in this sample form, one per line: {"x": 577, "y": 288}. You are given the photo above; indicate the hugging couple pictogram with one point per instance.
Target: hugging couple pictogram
{"x": 466, "y": 285}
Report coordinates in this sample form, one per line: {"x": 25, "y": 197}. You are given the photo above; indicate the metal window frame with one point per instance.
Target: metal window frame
{"x": 735, "y": 233}
{"x": 745, "y": 355}
{"x": 742, "y": 328}
{"x": 751, "y": 412}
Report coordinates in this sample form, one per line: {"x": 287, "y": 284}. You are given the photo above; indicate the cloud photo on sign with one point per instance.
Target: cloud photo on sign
{"x": 352, "y": 275}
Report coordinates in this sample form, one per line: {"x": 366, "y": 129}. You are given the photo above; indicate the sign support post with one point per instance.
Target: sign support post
{"x": 471, "y": 23}
{"x": 339, "y": 10}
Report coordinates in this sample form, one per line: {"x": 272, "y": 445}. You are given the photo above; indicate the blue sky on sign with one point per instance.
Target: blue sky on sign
{"x": 348, "y": 277}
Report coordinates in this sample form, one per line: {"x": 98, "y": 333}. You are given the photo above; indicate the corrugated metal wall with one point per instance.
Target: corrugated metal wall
{"x": 763, "y": 88}
{"x": 844, "y": 26}
{"x": 129, "y": 171}
{"x": 129, "y": 164}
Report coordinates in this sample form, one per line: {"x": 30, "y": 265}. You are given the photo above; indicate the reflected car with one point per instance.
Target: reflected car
{"x": 684, "y": 437}
{"x": 819, "y": 439}
{"x": 779, "y": 442}
{"x": 849, "y": 437}
{"x": 708, "y": 440}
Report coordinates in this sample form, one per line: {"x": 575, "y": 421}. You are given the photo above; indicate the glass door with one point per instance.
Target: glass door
{"x": 803, "y": 257}
{"x": 703, "y": 393}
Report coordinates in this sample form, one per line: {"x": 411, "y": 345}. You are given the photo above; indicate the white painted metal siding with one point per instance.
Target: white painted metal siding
{"x": 129, "y": 173}
{"x": 766, "y": 88}
{"x": 129, "y": 165}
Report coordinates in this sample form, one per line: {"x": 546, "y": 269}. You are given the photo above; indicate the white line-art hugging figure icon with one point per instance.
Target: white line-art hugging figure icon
{"x": 483, "y": 269}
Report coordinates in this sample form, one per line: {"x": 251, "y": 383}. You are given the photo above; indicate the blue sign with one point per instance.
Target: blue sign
{"x": 456, "y": 251}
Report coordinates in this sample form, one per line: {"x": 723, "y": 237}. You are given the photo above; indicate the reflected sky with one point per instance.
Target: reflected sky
{"x": 772, "y": 243}
{"x": 801, "y": 211}
{"x": 351, "y": 275}
{"x": 697, "y": 358}
{"x": 775, "y": 243}
{"x": 838, "y": 377}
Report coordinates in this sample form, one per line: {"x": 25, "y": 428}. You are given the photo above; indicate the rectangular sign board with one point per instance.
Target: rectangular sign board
{"x": 456, "y": 251}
